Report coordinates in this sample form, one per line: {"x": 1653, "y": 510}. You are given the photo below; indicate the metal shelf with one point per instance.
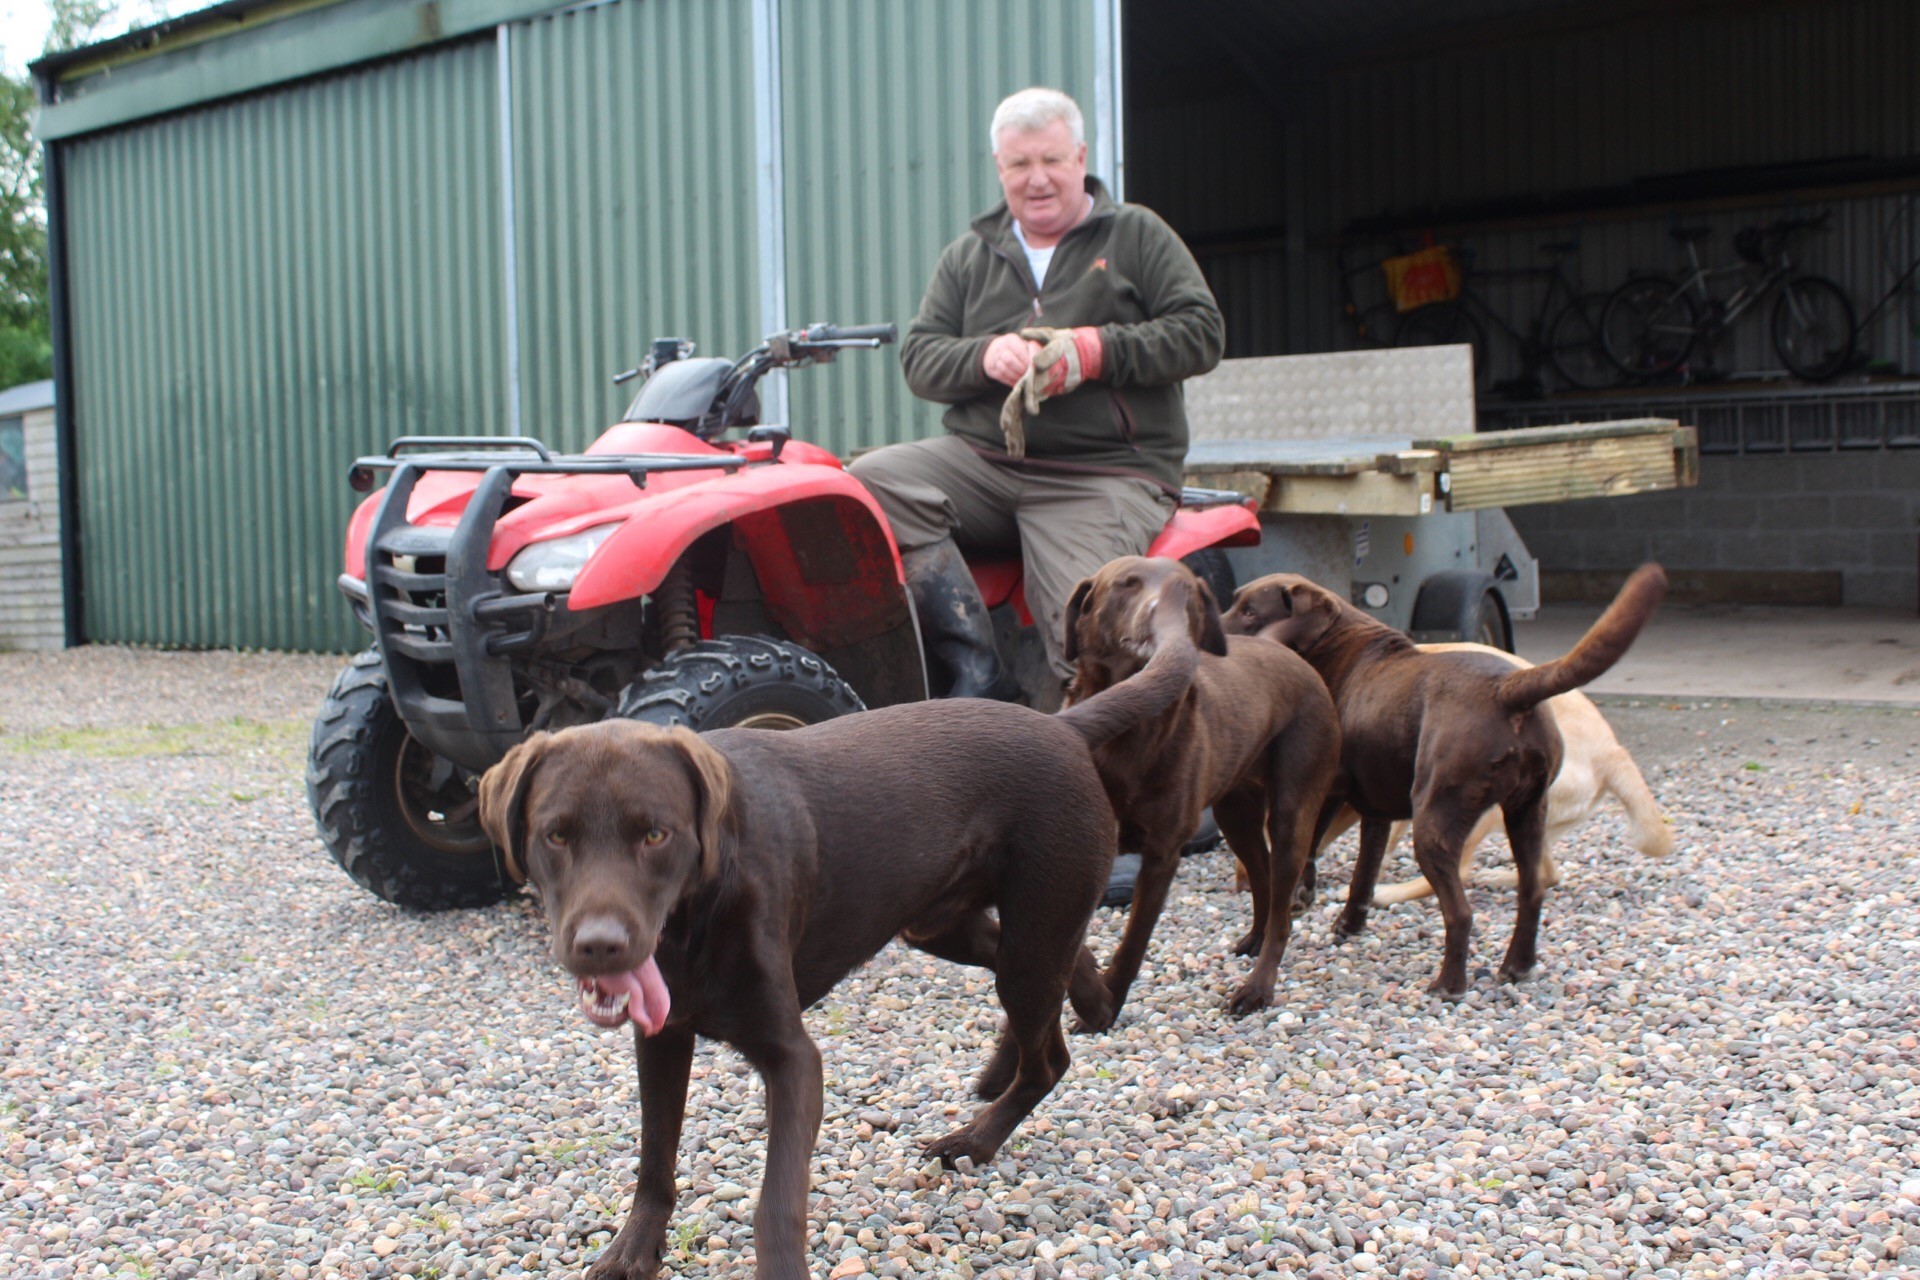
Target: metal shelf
{"x": 1882, "y": 415}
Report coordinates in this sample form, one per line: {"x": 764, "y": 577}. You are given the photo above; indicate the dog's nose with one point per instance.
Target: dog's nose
{"x": 599, "y": 940}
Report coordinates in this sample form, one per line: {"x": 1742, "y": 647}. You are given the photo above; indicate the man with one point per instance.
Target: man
{"x": 1058, "y": 331}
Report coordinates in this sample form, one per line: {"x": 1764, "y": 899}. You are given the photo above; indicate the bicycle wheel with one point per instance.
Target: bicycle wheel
{"x": 1813, "y": 327}
{"x": 1648, "y": 326}
{"x": 1440, "y": 324}
{"x": 1574, "y": 347}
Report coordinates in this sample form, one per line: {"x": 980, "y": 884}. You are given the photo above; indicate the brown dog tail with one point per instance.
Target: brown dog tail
{"x": 1141, "y": 697}
{"x": 1603, "y": 645}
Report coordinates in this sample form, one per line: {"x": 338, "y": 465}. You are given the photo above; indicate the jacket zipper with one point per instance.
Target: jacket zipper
{"x": 1032, "y": 292}
{"x": 1122, "y": 415}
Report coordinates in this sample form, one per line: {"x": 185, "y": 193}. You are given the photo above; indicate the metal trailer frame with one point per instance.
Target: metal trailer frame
{"x": 1371, "y": 480}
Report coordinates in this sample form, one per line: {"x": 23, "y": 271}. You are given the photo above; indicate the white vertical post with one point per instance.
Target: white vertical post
{"x": 1109, "y": 88}
{"x": 504, "y": 62}
{"x": 770, "y": 195}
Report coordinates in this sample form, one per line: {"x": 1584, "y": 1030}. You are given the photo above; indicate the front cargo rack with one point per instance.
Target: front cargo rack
{"x": 525, "y": 456}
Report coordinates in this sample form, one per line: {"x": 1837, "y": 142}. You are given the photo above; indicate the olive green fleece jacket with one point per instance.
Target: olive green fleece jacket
{"x": 1121, "y": 269}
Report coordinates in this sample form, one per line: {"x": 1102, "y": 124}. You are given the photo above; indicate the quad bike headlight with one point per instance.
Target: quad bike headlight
{"x": 554, "y": 564}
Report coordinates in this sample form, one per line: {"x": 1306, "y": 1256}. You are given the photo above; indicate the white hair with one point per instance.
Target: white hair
{"x": 1033, "y": 109}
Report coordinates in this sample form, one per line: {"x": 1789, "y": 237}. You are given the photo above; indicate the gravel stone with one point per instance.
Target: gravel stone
{"x": 218, "y": 1057}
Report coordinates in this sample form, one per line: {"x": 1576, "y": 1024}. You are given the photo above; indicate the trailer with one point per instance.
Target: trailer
{"x": 1370, "y": 478}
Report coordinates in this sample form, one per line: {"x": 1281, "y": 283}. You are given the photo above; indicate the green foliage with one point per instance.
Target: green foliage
{"x": 26, "y": 352}
{"x": 26, "y": 346}
{"x": 73, "y": 23}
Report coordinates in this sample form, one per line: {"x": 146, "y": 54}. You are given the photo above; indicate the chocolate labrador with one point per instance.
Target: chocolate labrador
{"x": 1594, "y": 768}
{"x": 1440, "y": 738}
{"x": 718, "y": 884}
{"x": 1256, "y": 736}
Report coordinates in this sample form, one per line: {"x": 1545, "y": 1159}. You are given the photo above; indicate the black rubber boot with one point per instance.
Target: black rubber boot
{"x": 954, "y": 622}
{"x": 1120, "y": 881}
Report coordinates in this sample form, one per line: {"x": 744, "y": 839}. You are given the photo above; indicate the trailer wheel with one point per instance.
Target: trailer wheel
{"x": 400, "y": 820}
{"x": 739, "y": 682}
{"x": 1462, "y": 604}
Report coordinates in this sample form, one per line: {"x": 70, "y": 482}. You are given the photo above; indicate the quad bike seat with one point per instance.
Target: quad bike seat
{"x": 1205, "y": 518}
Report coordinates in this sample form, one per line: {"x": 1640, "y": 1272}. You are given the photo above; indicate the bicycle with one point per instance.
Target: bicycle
{"x": 1897, "y": 241}
{"x": 1651, "y": 324}
{"x": 1566, "y": 340}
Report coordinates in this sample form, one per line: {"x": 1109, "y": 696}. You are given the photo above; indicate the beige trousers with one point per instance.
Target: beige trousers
{"x": 1063, "y": 526}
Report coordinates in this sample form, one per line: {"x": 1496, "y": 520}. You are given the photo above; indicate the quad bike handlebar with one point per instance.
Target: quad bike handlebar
{"x": 735, "y": 404}
{"x": 880, "y": 335}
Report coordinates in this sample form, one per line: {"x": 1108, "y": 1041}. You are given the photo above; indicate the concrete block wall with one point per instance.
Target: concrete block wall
{"x": 1854, "y": 512}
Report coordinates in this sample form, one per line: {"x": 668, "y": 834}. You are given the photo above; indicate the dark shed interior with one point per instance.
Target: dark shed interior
{"x": 1558, "y": 150}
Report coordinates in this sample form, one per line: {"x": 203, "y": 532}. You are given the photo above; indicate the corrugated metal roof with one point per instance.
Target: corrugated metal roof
{"x": 245, "y": 47}
{"x": 26, "y": 398}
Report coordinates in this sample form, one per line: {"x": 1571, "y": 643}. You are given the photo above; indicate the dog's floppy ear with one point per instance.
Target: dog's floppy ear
{"x": 1212, "y": 638}
{"x": 713, "y": 786}
{"x": 503, "y": 794}
{"x": 1258, "y": 605}
{"x": 1301, "y": 616}
{"x": 1076, "y": 604}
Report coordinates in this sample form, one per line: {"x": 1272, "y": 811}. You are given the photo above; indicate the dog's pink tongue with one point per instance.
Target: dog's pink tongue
{"x": 646, "y": 992}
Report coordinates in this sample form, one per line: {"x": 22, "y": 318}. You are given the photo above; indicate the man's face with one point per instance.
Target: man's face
{"x": 1044, "y": 173}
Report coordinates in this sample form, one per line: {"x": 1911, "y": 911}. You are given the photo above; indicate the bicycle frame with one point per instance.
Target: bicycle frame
{"x": 1558, "y": 282}
{"x": 1760, "y": 282}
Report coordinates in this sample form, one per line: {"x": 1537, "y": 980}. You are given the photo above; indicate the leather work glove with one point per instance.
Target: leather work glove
{"x": 1066, "y": 358}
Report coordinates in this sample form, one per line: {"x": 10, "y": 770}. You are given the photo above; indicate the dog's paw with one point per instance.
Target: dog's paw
{"x": 1084, "y": 1026}
{"x": 1303, "y": 900}
{"x": 1096, "y": 1009}
{"x": 1097, "y": 1013}
{"x": 617, "y": 1264}
{"x": 1249, "y": 945}
{"x": 1511, "y": 972}
{"x": 634, "y": 1252}
{"x": 1350, "y": 923}
{"x": 1252, "y": 997}
{"x": 964, "y": 1143}
{"x": 1449, "y": 990}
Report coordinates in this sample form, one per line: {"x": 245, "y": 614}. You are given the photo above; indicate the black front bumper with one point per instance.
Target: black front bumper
{"x": 443, "y": 622}
{"x": 446, "y": 627}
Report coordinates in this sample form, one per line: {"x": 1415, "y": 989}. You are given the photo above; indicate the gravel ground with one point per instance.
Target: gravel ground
{"x": 221, "y": 1058}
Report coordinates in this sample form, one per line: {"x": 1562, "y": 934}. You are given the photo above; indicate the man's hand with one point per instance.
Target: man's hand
{"x": 1065, "y": 358}
{"x": 1008, "y": 357}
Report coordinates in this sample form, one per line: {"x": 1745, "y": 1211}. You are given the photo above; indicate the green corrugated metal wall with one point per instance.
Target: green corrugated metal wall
{"x": 261, "y": 291}
{"x": 885, "y": 110}
{"x": 635, "y": 192}
{"x": 633, "y": 198}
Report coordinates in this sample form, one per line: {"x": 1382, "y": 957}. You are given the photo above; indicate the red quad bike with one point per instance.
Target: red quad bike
{"x": 666, "y": 575}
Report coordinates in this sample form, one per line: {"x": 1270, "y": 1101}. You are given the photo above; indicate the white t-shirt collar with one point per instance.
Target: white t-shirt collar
{"x": 1039, "y": 259}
